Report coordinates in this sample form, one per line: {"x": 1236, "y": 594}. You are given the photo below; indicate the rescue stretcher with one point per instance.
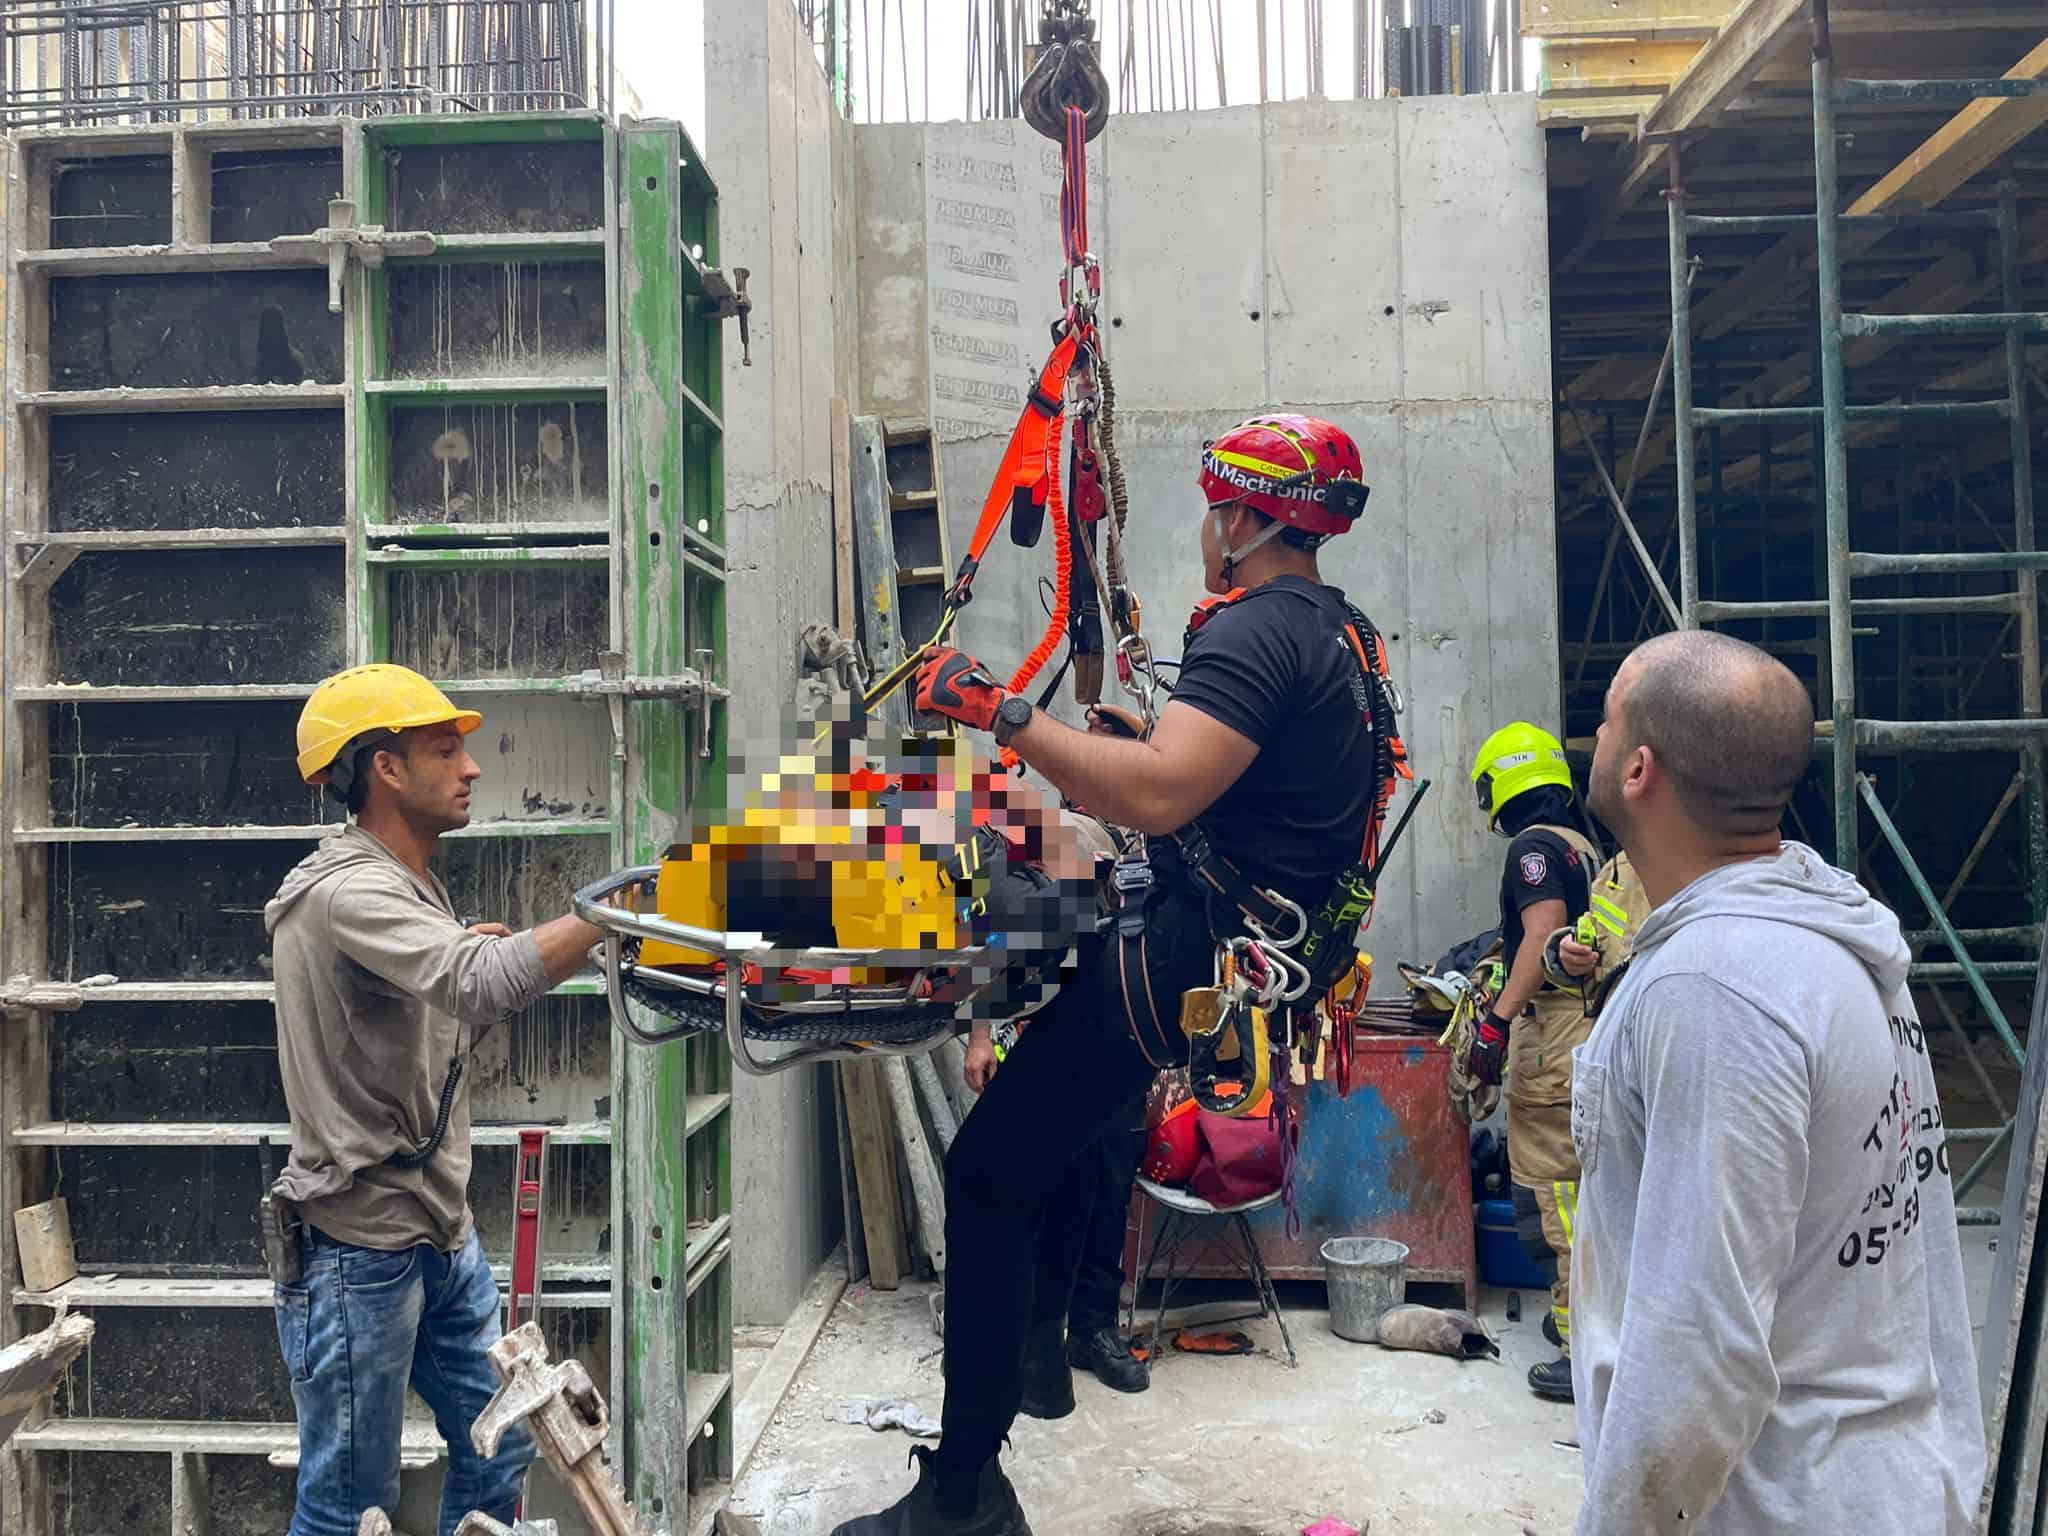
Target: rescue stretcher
{"x": 827, "y": 1004}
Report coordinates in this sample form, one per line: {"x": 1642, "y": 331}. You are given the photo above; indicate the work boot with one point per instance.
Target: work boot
{"x": 920, "y": 1512}
{"x": 1550, "y": 1330}
{"x": 1048, "y": 1382}
{"x": 1553, "y": 1381}
{"x": 1107, "y": 1353}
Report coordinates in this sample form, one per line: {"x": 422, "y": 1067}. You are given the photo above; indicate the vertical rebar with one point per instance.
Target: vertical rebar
{"x": 2023, "y": 539}
{"x": 1681, "y": 404}
{"x": 1835, "y": 446}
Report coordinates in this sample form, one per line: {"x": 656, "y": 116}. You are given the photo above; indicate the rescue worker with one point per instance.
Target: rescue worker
{"x": 1095, "y": 1340}
{"x": 1525, "y": 786}
{"x": 380, "y": 995}
{"x": 1259, "y": 753}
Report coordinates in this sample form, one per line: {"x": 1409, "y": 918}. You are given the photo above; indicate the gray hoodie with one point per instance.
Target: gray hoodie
{"x": 375, "y": 981}
{"x": 1770, "y": 1330}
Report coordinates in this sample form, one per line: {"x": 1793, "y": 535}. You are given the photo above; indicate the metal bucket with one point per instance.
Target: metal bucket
{"x": 1365, "y": 1276}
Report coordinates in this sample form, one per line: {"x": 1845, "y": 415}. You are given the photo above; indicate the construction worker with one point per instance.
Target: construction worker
{"x": 1253, "y": 773}
{"x": 382, "y": 1284}
{"x": 1525, "y": 786}
{"x": 1772, "y": 1319}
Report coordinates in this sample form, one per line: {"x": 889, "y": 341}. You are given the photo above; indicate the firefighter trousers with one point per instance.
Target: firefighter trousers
{"x": 1541, "y": 1157}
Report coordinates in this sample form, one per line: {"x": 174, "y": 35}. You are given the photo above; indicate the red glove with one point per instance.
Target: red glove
{"x": 954, "y": 684}
{"x": 1489, "y": 1050}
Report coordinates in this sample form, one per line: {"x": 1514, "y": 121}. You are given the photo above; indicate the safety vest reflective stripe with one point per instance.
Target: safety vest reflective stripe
{"x": 1609, "y": 916}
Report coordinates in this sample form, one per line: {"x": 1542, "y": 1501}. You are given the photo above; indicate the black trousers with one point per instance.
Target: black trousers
{"x": 1022, "y": 1181}
{"x": 1099, "y": 1281}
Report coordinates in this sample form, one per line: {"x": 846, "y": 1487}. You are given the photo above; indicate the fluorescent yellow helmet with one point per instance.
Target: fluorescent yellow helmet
{"x": 364, "y": 699}
{"x": 1514, "y": 760}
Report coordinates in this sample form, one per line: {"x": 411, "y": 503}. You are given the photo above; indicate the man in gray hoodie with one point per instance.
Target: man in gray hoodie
{"x": 1770, "y": 1326}
{"x": 380, "y": 991}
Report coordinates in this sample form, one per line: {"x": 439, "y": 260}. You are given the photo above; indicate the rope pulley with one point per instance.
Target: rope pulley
{"x": 1067, "y": 73}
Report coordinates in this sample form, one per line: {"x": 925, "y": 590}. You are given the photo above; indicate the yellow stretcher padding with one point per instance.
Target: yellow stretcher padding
{"x": 895, "y": 897}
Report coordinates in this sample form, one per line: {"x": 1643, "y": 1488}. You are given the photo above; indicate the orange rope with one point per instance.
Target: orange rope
{"x": 1063, "y": 561}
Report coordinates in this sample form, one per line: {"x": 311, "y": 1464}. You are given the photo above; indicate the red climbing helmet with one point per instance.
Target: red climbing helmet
{"x": 1298, "y": 470}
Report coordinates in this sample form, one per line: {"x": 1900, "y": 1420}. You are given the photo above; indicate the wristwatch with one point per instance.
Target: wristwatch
{"x": 1012, "y": 715}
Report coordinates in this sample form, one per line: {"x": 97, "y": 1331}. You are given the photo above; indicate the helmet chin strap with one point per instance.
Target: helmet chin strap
{"x": 1232, "y": 556}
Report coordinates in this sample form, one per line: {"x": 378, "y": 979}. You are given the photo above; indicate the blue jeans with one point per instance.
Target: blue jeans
{"x": 360, "y": 1326}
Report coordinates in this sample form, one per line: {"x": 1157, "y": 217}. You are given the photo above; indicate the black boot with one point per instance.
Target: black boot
{"x": 1550, "y": 1330}
{"x": 1107, "y": 1353}
{"x": 1047, "y": 1381}
{"x": 1553, "y": 1381}
{"x": 995, "y": 1511}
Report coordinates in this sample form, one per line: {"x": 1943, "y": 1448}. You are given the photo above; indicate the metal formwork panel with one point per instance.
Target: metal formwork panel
{"x": 219, "y": 491}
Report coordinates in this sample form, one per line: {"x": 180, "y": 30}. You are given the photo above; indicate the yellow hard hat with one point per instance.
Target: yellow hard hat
{"x": 1514, "y": 760}
{"x": 363, "y": 699}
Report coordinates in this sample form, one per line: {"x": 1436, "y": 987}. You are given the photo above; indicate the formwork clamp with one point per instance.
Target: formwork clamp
{"x": 343, "y": 237}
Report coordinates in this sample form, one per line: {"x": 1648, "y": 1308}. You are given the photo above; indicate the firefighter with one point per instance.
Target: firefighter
{"x": 1256, "y": 780}
{"x": 1525, "y": 787}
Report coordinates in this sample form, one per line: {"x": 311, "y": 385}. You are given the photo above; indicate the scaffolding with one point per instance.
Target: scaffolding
{"x": 1846, "y": 730}
{"x": 71, "y": 63}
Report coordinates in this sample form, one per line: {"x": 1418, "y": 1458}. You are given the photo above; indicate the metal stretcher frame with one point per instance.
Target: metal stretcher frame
{"x": 595, "y": 905}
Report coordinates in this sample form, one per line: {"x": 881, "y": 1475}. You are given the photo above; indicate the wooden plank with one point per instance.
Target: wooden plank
{"x": 1718, "y": 74}
{"x": 1962, "y": 146}
{"x": 881, "y": 1210}
{"x": 926, "y": 1176}
{"x": 1968, "y": 142}
{"x": 1614, "y": 66}
{"x": 844, "y": 613}
{"x": 1942, "y": 18}
{"x": 1595, "y": 112}
{"x": 30, "y": 1368}
{"x": 1730, "y": 61}
{"x": 875, "y": 545}
{"x": 43, "y": 1237}
{"x": 1625, "y": 18}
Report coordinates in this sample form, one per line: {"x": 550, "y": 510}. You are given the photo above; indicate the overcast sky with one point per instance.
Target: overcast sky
{"x": 661, "y": 51}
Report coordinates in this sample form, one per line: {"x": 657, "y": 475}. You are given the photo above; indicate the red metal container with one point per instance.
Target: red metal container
{"x": 1391, "y": 1160}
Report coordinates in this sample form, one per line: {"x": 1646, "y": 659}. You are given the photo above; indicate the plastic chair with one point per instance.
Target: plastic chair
{"x": 1181, "y": 1216}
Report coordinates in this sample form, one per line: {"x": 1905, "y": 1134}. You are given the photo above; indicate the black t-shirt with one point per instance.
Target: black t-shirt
{"x": 1541, "y": 866}
{"x": 1275, "y": 667}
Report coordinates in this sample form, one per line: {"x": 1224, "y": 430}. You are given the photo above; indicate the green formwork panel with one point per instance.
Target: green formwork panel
{"x": 661, "y": 568}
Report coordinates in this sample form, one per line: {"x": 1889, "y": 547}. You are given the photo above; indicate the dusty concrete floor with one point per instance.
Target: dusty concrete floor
{"x": 1218, "y": 1447}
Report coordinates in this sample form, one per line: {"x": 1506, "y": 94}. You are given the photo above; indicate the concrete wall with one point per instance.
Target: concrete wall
{"x": 770, "y": 131}
{"x": 1380, "y": 263}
